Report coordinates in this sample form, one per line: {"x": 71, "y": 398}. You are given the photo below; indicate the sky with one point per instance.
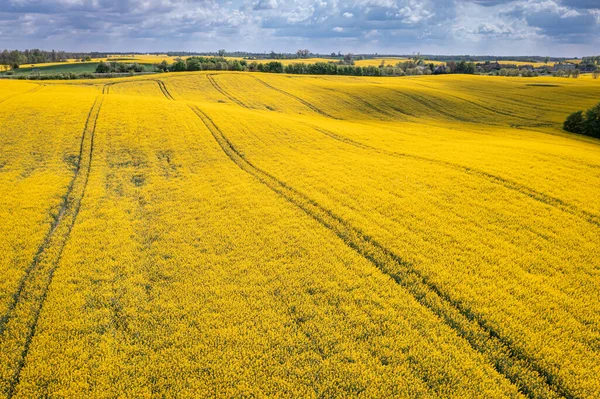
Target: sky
{"x": 478, "y": 27}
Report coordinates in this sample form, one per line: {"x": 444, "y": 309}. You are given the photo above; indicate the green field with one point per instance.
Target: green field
{"x": 83, "y": 67}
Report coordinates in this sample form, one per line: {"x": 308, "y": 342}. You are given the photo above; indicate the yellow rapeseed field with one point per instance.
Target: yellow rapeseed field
{"x": 222, "y": 234}
{"x": 521, "y": 63}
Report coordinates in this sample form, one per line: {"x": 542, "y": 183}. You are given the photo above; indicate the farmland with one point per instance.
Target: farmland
{"x": 149, "y": 61}
{"x": 61, "y": 67}
{"x": 238, "y": 235}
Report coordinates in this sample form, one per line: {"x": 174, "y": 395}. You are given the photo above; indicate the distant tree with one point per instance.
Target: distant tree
{"x": 273, "y": 67}
{"x": 587, "y": 124}
{"x": 575, "y": 123}
{"x": 546, "y": 60}
{"x": 16, "y": 59}
{"x": 592, "y": 121}
{"x": 222, "y": 53}
{"x": 88, "y": 58}
{"x": 103, "y": 67}
{"x": 163, "y": 66}
{"x": 179, "y": 66}
{"x": 451, "y": 67}
{"x": 465, "y": 67}
{"x": 596, "y": 74}
{"x": 236, "y": 66}
{"x": 303, "y": 53}
{"x": 193, "y": 64}
{"x": 575, "y": 73}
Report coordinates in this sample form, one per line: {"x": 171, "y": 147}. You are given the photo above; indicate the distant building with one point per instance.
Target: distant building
{"x": 440, "y": 69}
{"x": 587, "y": 68}
{"x": 564, "y": 67}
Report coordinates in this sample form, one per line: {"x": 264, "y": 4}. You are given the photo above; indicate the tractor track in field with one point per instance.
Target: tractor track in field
{"x": 160, "y": 83}
{"x": 50, "y": 232}
{"x": 368, "y": 104}
{"x": 530, "y": 378}
{"x": 164, "y": 90}
{"x": 507, "y": 183}
{"x": 431, "y": 105}
{"x": 364, "y": 102}
{"x": 214, "y": 83}
{"x": 475, "y": 104}
{"x": 300, "y": 100}
{"x": 21, "y": 320}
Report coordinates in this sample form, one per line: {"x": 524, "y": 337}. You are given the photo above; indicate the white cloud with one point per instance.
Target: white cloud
{"x": 414, "y": 14}
{"x": 570, "y": 14}
{"x": 477, "y": 23}
{"x": 265, "y": 5}
{"x": 398, "y": 26}
{"x": 529, "y": 7}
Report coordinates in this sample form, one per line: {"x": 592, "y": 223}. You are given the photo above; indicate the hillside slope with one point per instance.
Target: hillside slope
{"x": 257, "y": 235}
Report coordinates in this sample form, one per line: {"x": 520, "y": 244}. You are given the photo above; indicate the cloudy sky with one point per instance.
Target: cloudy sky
{"x": 499, "y": 27}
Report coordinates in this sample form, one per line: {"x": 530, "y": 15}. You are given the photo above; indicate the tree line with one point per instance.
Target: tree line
{"x": 591, "y": 60}
{"x": 345, "y": 66}
{"x": 119, "y": 67}
{"x": 342, "y": 67}
{"x": 15, "y": 58}
{"x": 587, "y": 123}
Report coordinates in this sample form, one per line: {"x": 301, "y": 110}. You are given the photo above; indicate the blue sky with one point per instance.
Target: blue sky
{"x": 499, "y": 27}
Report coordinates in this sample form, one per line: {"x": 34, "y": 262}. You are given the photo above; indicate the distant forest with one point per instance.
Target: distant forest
{"x": 16, "y": 58}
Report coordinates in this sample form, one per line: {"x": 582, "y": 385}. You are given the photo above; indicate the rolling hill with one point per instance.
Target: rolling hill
{"x": 268, "y": 235}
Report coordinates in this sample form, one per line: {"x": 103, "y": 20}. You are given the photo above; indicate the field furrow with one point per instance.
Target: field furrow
{"x": 507, "y": 183}
{"x": 20, "y": 321}
{"x": 164, "y": 90}
{"x": 33, "y": 90}
{"x": 182, "y": 270}
{"x": 226, "y": 94}
{"x": 531, "y": 378}
{"x": 245, "y": 234}
{"x": 388, "y": 208}
{"x": 300, "y": 100}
